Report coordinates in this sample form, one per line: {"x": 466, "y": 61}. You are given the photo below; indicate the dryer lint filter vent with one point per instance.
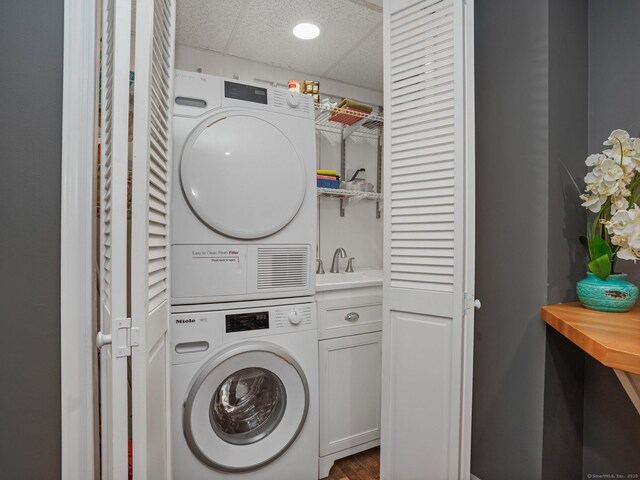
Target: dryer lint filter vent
{"x": 285, "y": 267}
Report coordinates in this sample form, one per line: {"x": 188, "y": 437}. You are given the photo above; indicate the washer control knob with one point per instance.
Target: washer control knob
{"x": 292, "y": 100}
{"x": 294, "y": 317}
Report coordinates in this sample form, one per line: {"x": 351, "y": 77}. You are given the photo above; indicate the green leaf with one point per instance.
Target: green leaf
{"x": 600, "y": 247}
{"x": 601, "y": 267}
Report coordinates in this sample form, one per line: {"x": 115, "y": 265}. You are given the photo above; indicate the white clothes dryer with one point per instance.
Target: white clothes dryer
{"x": 245, "y": 392}
{"x": 244, "y": 208}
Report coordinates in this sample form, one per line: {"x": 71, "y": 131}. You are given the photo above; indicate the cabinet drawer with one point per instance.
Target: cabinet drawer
{"x": 349, "y": 312}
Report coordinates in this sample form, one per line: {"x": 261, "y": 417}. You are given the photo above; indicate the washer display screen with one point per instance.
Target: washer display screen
{"x": 243, "y": 322}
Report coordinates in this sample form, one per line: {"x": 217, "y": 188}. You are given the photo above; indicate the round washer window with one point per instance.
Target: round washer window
{"x": 247, "y": 406}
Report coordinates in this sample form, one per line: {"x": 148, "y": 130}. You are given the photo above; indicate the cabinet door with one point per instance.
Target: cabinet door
{"x": 350, "y": 378}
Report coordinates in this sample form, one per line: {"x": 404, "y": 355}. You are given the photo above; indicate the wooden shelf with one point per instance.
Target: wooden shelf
{"x": 611, "y": 338}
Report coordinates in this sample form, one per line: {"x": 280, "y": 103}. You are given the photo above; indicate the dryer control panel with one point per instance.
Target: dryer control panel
{"x": 196, "y": 94}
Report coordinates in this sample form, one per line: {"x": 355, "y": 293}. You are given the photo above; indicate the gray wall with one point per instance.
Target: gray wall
{"x": 611, "y": 423}
{"x": 567, "y": 220}
{"x": 531, "y": 114}
{"x": 511, "y": 267}
{"x": 31, "y": 34}
{"x": 553, "y": 78}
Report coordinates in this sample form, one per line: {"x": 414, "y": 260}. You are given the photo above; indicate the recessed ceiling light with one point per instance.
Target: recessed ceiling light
{"x": 306, "y": 31}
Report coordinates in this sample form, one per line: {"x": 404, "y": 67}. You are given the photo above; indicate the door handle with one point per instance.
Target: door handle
{"x": 477, "y": 304}
{"x": 102, "y": 340}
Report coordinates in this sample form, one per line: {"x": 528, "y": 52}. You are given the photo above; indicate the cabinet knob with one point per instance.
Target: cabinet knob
{"x": 477, "y": 304}
{"x": 352, "y": 317}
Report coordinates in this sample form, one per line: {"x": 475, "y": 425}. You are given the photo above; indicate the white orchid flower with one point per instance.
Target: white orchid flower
{"x": 594, "y": 202}
{"x": 594, "y": 160}
{"x": 621, "y": 224}
{"x": 611, "y": 171}
{"x": 618, "y": 203}
{"x": 624, "y": 228}
{"x": 616, "y": 137}
{"x": 626, "y": 254}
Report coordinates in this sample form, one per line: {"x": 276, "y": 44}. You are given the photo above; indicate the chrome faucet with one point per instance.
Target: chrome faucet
{"x": 350, "y": 265}
{"x": 337, "y": 255}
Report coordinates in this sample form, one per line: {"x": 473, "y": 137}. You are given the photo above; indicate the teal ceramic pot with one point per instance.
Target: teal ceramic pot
{"x": 615, "y": 294}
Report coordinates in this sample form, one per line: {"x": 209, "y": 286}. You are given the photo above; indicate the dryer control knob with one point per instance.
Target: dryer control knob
{"x": 292, "y": 100}
{"x": 294, "y": 317}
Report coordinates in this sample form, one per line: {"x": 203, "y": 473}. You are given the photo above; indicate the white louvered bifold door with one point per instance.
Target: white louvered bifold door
{"x": 429, "y": 239}
{"x": 114, "y": 114}
{"x": 155, "y": 27}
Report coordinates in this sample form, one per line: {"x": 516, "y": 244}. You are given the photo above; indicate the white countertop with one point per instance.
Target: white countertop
{"x": 365, "y": 277}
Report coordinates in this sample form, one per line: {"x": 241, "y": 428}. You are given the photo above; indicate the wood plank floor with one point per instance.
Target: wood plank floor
{"x": 361, "y": 466}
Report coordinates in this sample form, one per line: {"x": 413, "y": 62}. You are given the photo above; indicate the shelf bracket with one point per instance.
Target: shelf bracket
{"x": 348, "y": 130}
{"x": 631, "y": 384}
{"x": 343, "y": 165}
{"x": 379, "y": 173}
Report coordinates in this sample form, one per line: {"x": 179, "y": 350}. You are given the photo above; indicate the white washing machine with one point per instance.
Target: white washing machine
{"x": 244, "y": 208}
{"x": 245, "y": 392}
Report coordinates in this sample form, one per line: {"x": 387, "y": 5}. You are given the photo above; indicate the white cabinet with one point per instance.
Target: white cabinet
{"x": 350, "y": 391}
{"x": 350, "y": 350}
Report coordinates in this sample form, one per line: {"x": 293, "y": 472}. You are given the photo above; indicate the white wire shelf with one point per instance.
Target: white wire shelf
{"x": 365, "y": 124}
{"x": 340, "y": 193}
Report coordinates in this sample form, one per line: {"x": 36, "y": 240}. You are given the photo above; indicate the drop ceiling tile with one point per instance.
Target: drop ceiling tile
{"x": 265, "y": 32}
{"x": 362, "y": 66}
{"x": 206, "y": 23}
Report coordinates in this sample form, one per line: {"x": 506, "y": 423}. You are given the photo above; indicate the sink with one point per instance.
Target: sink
{"x": 364, "y": 277}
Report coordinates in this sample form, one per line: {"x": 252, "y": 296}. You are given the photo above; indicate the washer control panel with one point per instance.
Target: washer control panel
{"x": 293, "y": 315}
{"x": 196, "y": 334}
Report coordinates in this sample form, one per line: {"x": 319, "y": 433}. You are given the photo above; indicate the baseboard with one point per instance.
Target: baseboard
{"x": 325, "y": 463}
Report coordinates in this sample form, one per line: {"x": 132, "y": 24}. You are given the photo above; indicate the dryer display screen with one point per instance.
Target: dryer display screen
{"x": 242, "y": 322}
{"x": 245, "y": 92}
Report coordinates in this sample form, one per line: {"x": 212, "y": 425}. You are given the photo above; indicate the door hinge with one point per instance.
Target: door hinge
{"x": 470, "y": 302}
{"x": 126, "y": 337}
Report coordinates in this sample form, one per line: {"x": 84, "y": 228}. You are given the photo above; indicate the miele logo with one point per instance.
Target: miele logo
{"x": 185, "y": 320}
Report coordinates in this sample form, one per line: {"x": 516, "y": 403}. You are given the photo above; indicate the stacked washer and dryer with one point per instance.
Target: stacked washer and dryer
{"x": 243, "y": 230}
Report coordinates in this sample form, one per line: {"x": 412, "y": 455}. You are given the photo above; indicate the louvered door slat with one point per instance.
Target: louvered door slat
{"x": 435, "y": 41}
{"x": 423, "y": 25}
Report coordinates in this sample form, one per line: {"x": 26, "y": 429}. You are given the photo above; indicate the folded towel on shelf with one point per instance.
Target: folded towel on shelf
{"x": 328, "y": 183}
{"x": 351, "y": 103}
{"x": 331, "y": 173}
{"x": 327, "y": 177}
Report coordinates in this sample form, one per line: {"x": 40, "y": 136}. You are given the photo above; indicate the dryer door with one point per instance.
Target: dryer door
{"x": 242, "y": 176}
{"x": 245, "y": 407}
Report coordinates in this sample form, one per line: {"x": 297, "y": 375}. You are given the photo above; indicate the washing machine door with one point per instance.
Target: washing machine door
{"x": 245, "y": 407}
{"x": 242, "y": 175}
